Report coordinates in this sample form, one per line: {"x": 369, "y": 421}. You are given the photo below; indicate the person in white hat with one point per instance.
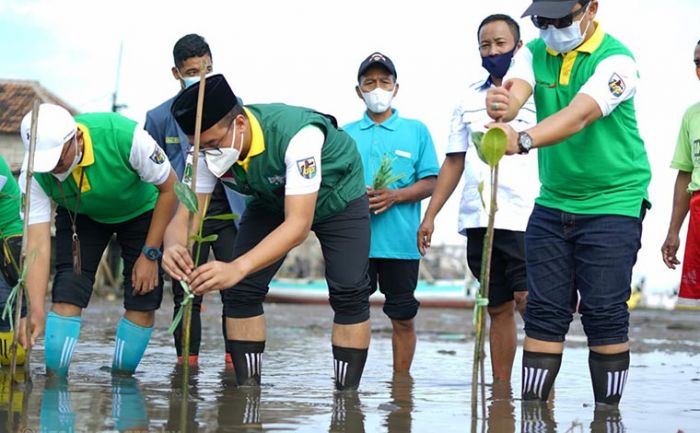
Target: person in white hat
{"x": 106, "y": 176}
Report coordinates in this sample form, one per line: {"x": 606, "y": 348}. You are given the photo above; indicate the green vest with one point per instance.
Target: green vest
{"x": 10, "y": 222}
{"x": 602, "y": 169}
{"x": 342, "y": 178}
{"x": 112, "y": 191}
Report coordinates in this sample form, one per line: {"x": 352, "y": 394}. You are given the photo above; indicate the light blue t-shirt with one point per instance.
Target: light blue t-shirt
{"x": 408, "y": 142}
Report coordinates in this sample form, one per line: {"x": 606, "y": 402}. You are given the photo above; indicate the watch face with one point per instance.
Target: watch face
{"x": 151, "y": 253}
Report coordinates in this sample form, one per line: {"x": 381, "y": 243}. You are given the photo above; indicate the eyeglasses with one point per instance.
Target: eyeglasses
{"x": 697, "y": 63}
{"x": 560, "y": 23}
{"x": 214, "y": 149}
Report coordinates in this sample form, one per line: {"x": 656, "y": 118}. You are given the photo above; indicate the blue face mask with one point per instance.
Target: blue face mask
{"x": 498, "y": 65}
{"x": 189, "y": 81}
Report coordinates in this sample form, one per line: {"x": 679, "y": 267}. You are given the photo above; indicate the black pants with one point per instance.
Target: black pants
{"x": 94, "y": 236}
{"x": 344, "y": 241}
{"x": 223, "y": 251}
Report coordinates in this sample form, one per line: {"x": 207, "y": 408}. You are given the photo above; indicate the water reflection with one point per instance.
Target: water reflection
{"x": 14, "y": 400}
{"x": 56, "y": 413}
{"x": 347, "y": 416}
{"x": 501, "y": 409}
{"x": 537, "y": 417}
{"x": 607, "y": 419}
{"x": 128, "y": 405}
{"x": 400, "y": 417}
{"x": 238, "y": 407}
{"x": 182, "y": 412}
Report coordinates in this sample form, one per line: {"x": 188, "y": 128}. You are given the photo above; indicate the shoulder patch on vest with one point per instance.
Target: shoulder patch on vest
{"x": 157, "y": 156}
{"x": 307, "y": 167}
{"x": 616, "y": 85}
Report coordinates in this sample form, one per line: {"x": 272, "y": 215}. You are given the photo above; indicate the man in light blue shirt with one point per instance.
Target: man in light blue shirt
{"x": 383, "y": 138}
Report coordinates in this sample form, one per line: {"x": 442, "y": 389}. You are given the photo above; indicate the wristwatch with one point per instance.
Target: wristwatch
{"x": 524, "y": 143}
{"x": 151, "y": 253}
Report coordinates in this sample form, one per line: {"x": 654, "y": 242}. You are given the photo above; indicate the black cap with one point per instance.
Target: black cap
{"x": 376, "y": 58}
{"x": 219, "y": 100}
{"x": 550, "y": 8}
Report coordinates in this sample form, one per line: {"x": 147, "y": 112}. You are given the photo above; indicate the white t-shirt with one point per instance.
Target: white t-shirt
{"x": 518, "y": 180}
{"x": 142, "y": 147}
{"x": 597, "y": 86}
{"x": 305, "y": 145}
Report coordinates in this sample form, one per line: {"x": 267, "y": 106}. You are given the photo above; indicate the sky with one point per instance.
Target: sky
{"x": 306, "y": 52}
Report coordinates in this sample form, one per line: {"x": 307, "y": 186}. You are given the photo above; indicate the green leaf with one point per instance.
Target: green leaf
{"x": 178, "y": 317}
{"x": 384, "y": 177}
{"x": 223, "y": 217}
{"x": 493, "y": 146}
{"x": 187, "y": 197}
{"x": 481, "y": 194}
{"x": 210, "y": 238}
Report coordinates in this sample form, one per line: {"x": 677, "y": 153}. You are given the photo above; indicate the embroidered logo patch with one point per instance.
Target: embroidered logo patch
{"x": 276, "y": 180}
{"x": 157, "y": 156}
{"x": 616, "y": 85}
{"x": 307, "y": 167}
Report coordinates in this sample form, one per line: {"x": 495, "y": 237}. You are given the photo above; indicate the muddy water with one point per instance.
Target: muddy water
{"x": 662, "y": 394}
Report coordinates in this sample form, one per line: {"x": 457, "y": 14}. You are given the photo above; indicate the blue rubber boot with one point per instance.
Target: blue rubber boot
{"x": 62, "y": 335}
{"x": 130, "y": 346}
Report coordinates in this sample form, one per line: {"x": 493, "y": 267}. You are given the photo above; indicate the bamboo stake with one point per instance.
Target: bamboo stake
{"x": 25, "y": 208}
{"x": 187, "y": 315}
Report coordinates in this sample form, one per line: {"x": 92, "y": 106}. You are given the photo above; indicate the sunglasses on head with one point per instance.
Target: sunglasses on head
{"x": 560, "y": 23}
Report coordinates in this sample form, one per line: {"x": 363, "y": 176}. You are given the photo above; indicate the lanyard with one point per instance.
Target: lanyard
{"x": 73, "y": 217}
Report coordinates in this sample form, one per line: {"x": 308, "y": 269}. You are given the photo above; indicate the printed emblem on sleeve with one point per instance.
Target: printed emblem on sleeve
{"x": 307, "y": 167}
{"x": 616, "y": 85}
{"x": 187, "y": 175}
{"x": 157, "y": 156}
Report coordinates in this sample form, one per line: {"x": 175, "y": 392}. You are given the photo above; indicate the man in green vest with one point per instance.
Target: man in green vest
{"x": 585, "y": 230}
{"x": 11, "y": 238}
{"x": 302, "y": 173}
{"x": 106, "y": 176}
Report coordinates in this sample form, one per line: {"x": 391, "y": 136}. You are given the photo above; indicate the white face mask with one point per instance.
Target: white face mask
{"x": 63, "y": 176}
{"x": 378, "y": 100}
{"x": 219, "y": 162}
{"x": 566, "y": 39}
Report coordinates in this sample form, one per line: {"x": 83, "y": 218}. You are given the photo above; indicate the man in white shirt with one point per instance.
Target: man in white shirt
{"x": 499, "y": 39}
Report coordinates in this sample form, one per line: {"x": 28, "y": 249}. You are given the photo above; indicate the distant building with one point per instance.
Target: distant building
{"x": 16, "y": 99}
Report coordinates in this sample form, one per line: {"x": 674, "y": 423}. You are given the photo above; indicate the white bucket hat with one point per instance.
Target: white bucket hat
{"x": 54, "y": 128}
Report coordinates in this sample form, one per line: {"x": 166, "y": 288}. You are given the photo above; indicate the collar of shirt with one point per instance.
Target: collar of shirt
{"x": 257, "y": 141}
{"x": 488, "y": 82}
{"x": 587, "y": 47}
{"x": 391, "y": 123}
{"x": 88, "y": 153}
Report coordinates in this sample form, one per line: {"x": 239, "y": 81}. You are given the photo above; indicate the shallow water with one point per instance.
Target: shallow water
{"x": 662, "y": 393}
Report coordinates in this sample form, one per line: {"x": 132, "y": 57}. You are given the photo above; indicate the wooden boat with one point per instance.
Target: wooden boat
{"x": 436, "y": 294}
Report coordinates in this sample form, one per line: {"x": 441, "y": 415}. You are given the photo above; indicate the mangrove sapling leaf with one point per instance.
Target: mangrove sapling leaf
{"x": 223, "y": 217}
{"x": 481, "y": 194}
{"x": 477, "y": 138}
{"x": 384, "y": 177}
{"x": 187, "y": 299}
{"x": 493, "y": 146}
{"x": 210, "y": 238}
{"x": 187, "y": 197}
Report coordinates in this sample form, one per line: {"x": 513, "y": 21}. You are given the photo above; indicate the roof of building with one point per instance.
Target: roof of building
{"x": 16, "y": 99}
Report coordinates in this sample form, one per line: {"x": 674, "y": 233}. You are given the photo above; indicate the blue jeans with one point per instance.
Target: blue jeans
{"x": 589, "y": 254}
